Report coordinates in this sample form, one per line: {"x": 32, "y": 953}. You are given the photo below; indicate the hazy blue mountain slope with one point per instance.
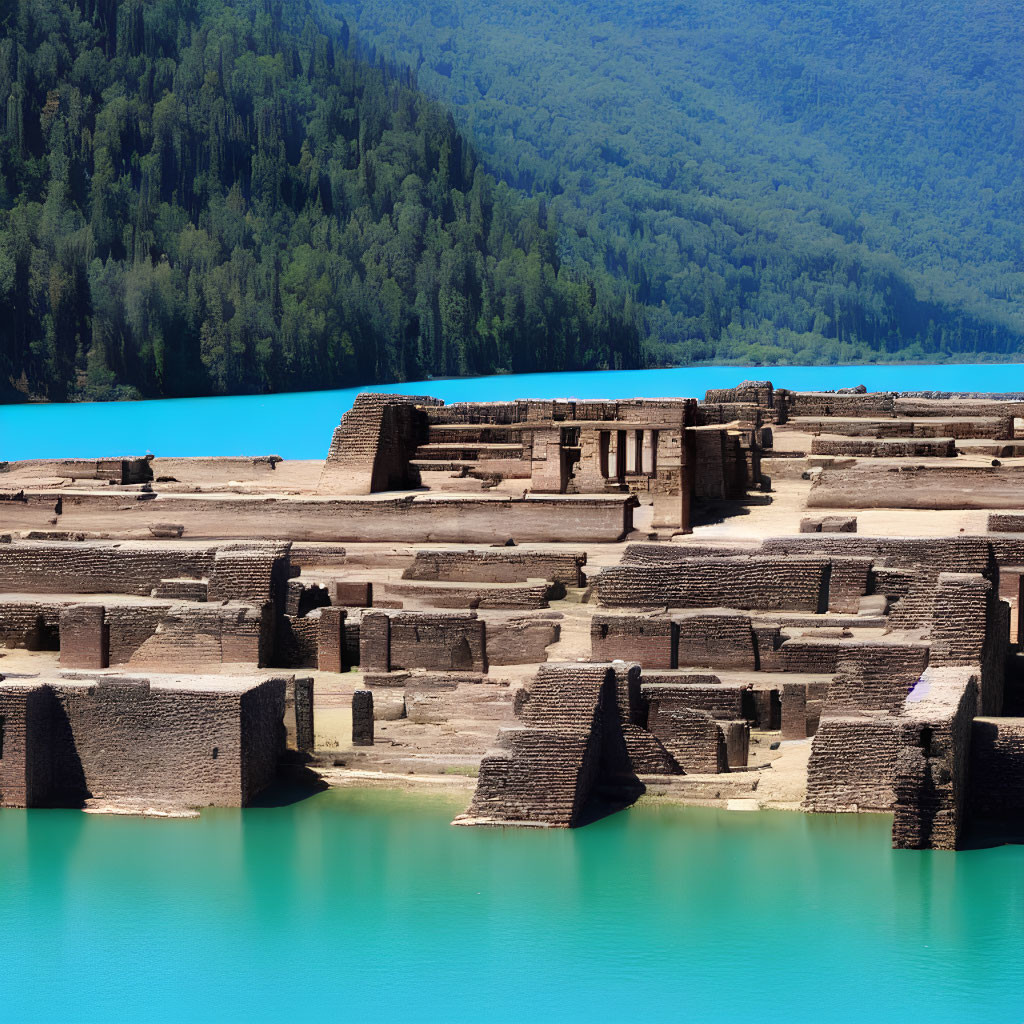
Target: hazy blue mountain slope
{"x": 777, "y": 179}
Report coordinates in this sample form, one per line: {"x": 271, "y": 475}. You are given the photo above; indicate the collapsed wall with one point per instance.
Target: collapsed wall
{"x": 569, "y": 745}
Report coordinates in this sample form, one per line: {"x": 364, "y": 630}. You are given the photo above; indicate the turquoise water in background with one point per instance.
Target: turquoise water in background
{"x": 368, "y": 906}
{"x": 299, "y": 425}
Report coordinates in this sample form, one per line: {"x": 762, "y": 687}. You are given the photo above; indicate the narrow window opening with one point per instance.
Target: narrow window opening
{"x": 216, "y": 751}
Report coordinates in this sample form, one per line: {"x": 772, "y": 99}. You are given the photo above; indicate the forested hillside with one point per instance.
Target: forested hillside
{"x": 215, "y": 197}
{"x": 794, "y": 180}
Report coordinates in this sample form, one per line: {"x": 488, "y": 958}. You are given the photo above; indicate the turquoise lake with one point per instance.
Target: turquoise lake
{"x": 299, "y": 425}
{"x": 366, "y": 905}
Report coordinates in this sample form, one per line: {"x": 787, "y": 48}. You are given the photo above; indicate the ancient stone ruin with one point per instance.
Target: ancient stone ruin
{"x": 774, "y": 598}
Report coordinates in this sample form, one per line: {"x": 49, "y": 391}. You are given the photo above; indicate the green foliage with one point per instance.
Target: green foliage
{"x": 216, "y": 197}
{"x": 775, "y": 181}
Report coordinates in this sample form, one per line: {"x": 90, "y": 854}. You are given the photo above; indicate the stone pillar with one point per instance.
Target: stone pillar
{"x": 794, "y": 711}
{"x": 737, "y": 742}
{"x": 84, "y": 637}
{"x": 647, "y": 461}
{"x": 375, "y": 642}
{"x": 298, "y": 714}
{"x": 330, "y": 640}
{"x": 632, "y": 450}
{"x": 362, "y": 718}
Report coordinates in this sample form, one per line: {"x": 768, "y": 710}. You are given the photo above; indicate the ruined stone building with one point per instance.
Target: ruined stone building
{"x": 783, "y": 598}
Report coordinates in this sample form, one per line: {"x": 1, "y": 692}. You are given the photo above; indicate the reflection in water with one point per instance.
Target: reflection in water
{"x": 360, "y": 905}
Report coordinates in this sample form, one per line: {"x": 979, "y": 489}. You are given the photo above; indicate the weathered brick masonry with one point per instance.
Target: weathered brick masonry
{"x": 121, "y": 739}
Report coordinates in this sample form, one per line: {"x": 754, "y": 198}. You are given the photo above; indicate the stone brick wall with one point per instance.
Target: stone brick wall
{"x": 520, "y": 641}
{"x": 92, "y": 567}
{"x": 853, "y": 764}
{"x": 548, "y": 768}
{"x": 872, "y": 676}
{"x": 119, "y": 740}
{"x": 929, "y": 554}
{"x": 997, "y": 767}
{"x": 31, "y": 624}
{"x": 407, "y": 519}
{"x": 439, "y": 642}
{"x": 130, "y": 626}
{"x": 720, "y": 640}
{"x": 84, "y": 637}
{"x": 797, "y": 584}
{"x": 827, "y": 403}
{"x": 247, "y": 571}
{"x": 885, "y": 448}
{"x": 1006, "y": 522}
{"x": 330, "y": 640}
{"x": 966, "y": 427}
{"x": 264, "y": 737}
{"x": 931, "y": 775}
{"x": 411, "y": 640}
{"x": 650, "y": 642}
{"x": 122, "y": 471}
{"x": 25, "y": 777}
{"x": 372, "y": 446}
{"x": 670, "y": 692}
{"x": 927, "y": 487}
{"x": 298, "y": 713}
{"x": 507, "y": 597}
{"x": 194, "y": 636}
{"x": 509, "y": 565}
{"x": 693, "y": 738}
{"x": 969, "y": 627}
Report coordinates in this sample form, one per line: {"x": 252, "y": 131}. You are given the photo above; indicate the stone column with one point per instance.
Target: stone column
{"x": 84, "y": 637}
{"x": 794, "y": 711}
{"x": 330, "y": 640}
{"x": 375, "y": 642}
{"x": 362, "y": 718}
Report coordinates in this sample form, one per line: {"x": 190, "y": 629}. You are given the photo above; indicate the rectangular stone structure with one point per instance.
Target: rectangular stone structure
{"x": 330, "y": 641}
{"x": 84, "y": 637}
{"x": 794, "y": 711}
{"x": 353, "y": 594}
{"x": 298, "y": 714}
{"x": 362, "y": 718}
{"x": 121, "y": 740}
{"x": 648, "y": 641}
{"x": 375, "y": 642}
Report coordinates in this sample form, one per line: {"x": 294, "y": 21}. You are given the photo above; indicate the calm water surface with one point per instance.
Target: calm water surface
{"x": 299, "y": 426}
{"x": 366, "y": 905}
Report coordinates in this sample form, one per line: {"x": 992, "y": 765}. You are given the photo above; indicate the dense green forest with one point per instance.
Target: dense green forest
{"x": 775, "y": 180}
{"x": 205, "y": 197}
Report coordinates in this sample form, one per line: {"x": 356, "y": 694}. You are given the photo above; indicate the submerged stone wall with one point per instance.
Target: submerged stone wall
{"x": 997, "y": 767}
{"x": 931, "y": 773}
{"x": 547, "y": 769}
{"x": 853, "y": 764}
